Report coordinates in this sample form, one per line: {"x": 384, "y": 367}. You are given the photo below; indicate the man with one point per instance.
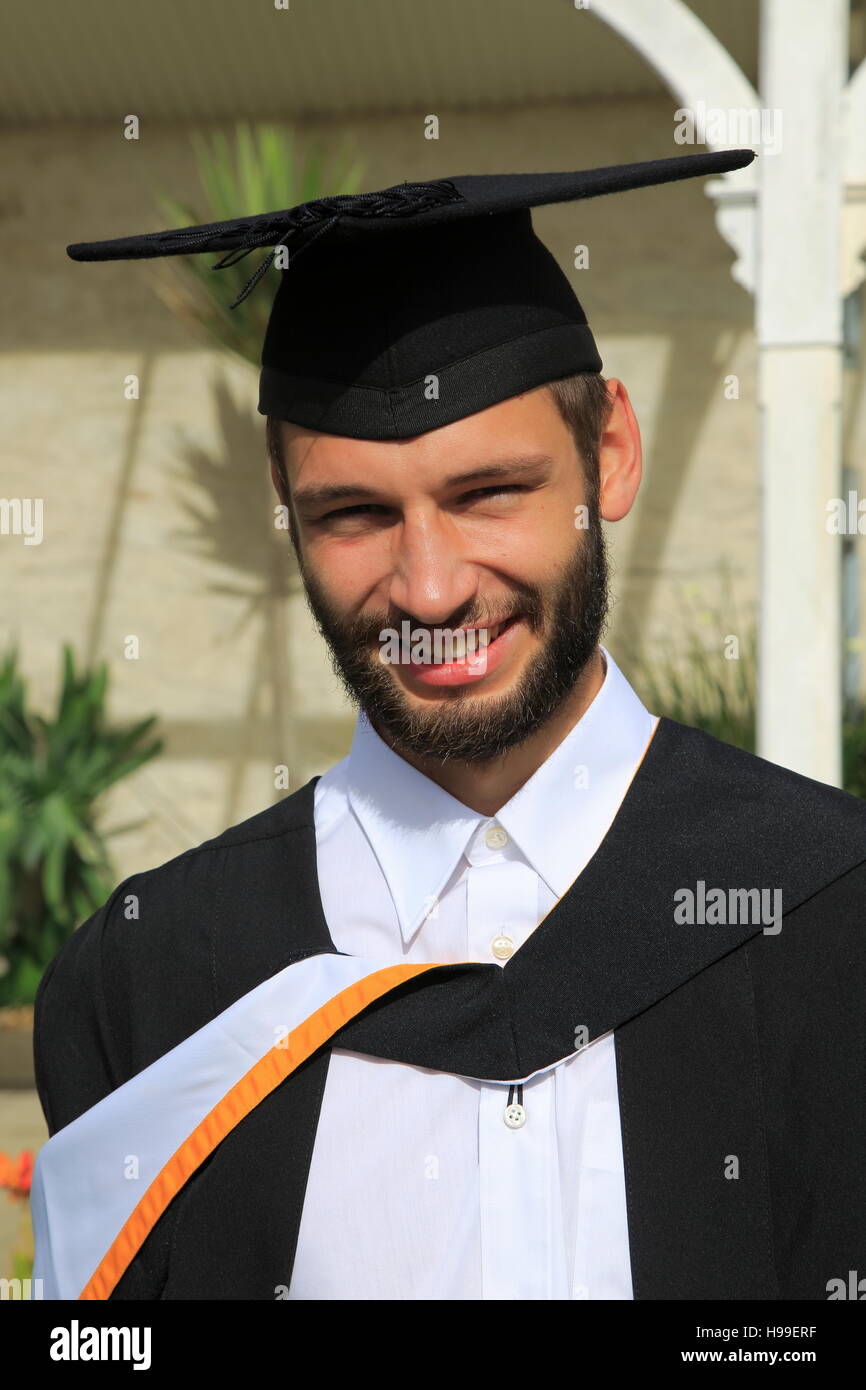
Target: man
{"x": 533, "y": 995}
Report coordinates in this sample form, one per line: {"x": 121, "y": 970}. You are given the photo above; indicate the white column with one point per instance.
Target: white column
{"x": 799, "y": 330}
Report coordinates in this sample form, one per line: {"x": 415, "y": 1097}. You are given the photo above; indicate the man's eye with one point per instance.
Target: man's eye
{"x": 363, "y": 507}
{"x": 495, "y": 491}
{"x": 351, "y": 511}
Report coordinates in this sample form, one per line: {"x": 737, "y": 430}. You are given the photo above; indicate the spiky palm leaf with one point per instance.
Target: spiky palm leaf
{"x": 54, "y": 864}
{"x": 262, "y": 171}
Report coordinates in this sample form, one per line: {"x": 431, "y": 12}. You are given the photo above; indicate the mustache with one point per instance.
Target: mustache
{"x": 366, "y": 631}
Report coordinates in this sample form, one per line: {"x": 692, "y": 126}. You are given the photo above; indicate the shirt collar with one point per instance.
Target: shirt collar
{"x": 557, "y": 819}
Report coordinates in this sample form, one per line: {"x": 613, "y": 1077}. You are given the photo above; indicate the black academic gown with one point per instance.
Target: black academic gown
{"x": 738, "y": 1050}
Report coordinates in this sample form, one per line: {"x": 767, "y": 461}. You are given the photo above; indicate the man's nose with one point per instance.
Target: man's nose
{"x": 432, "y": 577}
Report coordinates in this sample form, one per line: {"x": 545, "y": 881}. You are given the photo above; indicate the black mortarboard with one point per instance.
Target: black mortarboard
{"x": 417, "y": 305}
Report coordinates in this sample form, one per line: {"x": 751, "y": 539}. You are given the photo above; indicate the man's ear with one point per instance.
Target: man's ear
{"x": 620, "y": 458}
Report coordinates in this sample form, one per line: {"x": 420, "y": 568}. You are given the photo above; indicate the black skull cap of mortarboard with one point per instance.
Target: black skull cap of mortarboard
{"x": 404, "y": 310}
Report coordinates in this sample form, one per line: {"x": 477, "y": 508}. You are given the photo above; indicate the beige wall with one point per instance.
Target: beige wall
{"x": 157, "y": 512}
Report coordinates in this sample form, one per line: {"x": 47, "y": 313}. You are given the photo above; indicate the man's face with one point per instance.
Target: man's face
{"x": 484, "y": 521}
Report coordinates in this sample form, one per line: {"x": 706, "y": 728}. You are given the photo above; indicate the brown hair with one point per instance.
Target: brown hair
{"x": 582, "y": 401}
{"x": 584, "y": 405}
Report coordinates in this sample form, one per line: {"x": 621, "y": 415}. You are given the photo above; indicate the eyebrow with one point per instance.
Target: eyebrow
{"x": 526, "y": 468}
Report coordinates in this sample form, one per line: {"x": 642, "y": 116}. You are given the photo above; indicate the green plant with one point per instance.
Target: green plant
{"x": 54, "y": 865}
{"x": 266, "y": 170}
{"x": 854, "y": 753}
{"x": 706, "y": 674}
{"x": 695, "y": 684}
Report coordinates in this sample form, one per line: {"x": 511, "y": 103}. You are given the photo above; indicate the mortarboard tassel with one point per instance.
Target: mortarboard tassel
{"x": 232, "y": 257}
{"x": 403, "y": 200}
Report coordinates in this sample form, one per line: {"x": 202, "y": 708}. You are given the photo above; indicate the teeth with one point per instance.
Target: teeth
{"x": 486, "y": 635}
{"x": 481, "y": 636}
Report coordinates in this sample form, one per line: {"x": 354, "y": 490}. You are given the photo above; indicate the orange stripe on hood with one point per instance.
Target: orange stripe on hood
{"x": 262, "y": 1078}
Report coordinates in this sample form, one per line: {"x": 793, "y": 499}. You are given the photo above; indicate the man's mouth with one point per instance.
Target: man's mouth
{"x": 486, "y": 635}
{"x": 468, "y": 655}
{"x": 472, "y": 642}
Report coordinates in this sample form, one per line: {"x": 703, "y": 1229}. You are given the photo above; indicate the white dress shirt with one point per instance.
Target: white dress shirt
{"x": 418, "y": 1188}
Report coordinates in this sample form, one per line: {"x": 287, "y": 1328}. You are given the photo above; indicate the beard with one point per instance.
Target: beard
{"x": 568, "y": 615}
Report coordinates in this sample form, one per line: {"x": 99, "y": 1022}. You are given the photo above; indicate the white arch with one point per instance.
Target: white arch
{"x": 697, "y": 68}
{"x": 687, "y": 56}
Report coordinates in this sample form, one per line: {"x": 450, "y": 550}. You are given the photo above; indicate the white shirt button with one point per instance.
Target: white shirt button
{"x": 581, "y": 1291}
{"x": 515, "y": 1116}
{"x": 495, "y": 837}
{"x": 502, "y": 947}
